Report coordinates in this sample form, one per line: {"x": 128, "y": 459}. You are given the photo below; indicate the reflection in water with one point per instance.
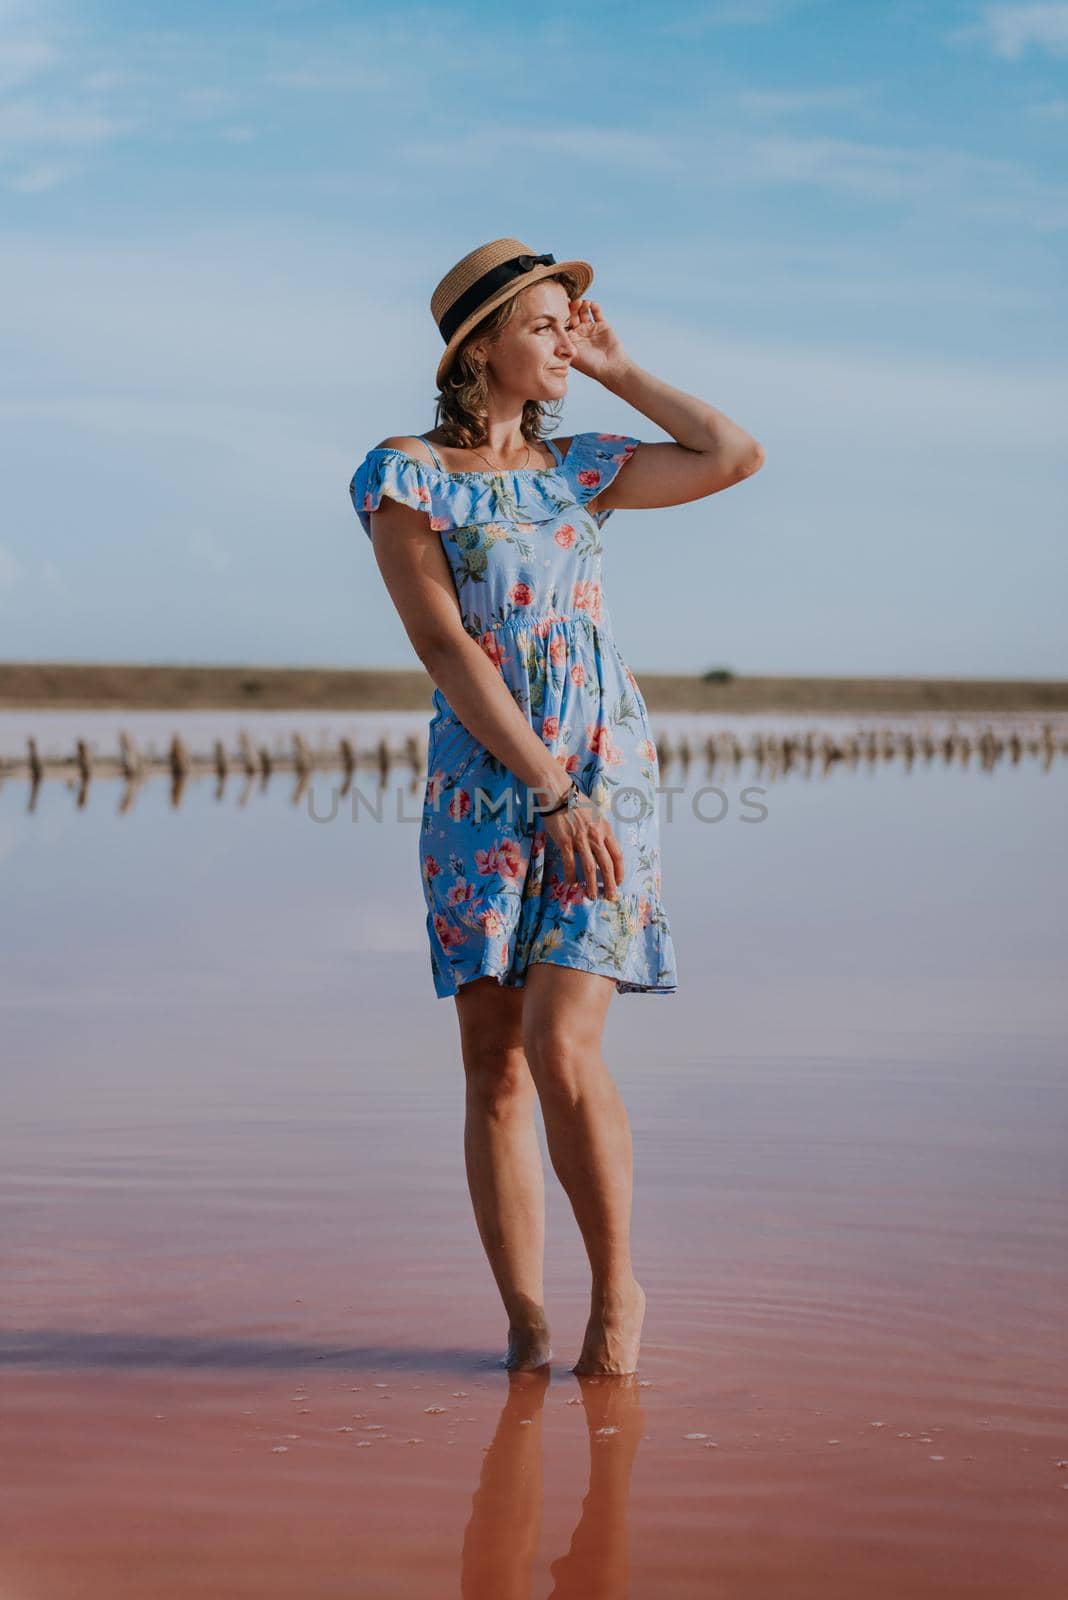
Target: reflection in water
{"x": 501, "y": 1540}
{"x": 768, "y": 755}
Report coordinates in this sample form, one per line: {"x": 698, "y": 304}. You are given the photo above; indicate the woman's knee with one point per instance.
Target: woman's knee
{"x": 561, "y": 1061}
{"x": 497, "y": 1076}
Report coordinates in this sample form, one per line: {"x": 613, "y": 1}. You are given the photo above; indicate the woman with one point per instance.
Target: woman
{"x": 539, "y": 846}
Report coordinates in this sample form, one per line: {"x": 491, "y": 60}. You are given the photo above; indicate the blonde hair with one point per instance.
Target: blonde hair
{"x": 462, "y": 400}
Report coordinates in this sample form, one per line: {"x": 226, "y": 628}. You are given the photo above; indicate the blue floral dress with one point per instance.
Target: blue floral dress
{"x": 527, "y": 562}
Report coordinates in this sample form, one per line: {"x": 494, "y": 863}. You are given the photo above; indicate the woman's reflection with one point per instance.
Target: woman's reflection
{"x": 501, "y": 1539}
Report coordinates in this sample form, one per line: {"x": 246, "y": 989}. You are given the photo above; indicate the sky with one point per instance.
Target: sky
{"x": 841, "y": 222}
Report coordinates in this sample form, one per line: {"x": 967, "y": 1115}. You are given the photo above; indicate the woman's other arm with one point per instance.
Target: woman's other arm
{"x": 416, "y": 572}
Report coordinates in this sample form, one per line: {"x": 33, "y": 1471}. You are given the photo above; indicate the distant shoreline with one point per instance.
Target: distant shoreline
{"x": 101, "y": 685}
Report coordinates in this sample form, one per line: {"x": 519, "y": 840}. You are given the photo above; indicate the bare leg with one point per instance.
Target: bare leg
{"x": 503, "y": 1159}
{"x": 588, "y": 1135}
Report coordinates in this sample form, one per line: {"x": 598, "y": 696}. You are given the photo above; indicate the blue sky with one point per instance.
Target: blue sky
{"x": 842, "y": 223}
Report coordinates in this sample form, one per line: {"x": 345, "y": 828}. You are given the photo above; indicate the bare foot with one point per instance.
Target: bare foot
{"x": 613, "y": 1333}
{"x": 528, "y": 1346}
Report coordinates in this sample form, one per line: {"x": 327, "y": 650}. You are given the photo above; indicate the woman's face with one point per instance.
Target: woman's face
{"x": 531, "y": 356}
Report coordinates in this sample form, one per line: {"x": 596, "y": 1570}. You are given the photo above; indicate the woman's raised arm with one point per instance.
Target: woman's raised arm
{"x": 711, "y": 453}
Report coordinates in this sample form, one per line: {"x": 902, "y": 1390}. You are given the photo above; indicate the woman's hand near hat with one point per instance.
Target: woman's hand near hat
{"x": 598, "y": 348}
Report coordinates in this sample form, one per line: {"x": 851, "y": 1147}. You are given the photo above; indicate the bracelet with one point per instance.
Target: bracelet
{"x": 566, "y": 801}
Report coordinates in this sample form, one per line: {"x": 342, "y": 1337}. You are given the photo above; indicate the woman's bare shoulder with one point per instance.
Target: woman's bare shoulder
{"x": 411, "y": 444}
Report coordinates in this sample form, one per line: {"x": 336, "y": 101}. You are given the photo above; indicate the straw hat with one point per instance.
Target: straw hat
{"x": 483, "y": 280}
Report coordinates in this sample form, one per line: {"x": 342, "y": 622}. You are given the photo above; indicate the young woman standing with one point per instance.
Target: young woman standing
{"x": 539, "y": 846}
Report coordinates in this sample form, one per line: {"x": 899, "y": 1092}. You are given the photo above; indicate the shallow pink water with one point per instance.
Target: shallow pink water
{"x": 236, "y": 1222}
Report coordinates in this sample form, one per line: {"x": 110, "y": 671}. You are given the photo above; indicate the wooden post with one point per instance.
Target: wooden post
{"x": 129, "y": 756}
{"x": 179, "y": 758}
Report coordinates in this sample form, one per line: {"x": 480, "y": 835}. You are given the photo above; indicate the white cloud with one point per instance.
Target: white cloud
{"x": 42, "y": 143}
{"x": 734, "y": 14}
{"x": 325, "y": 76}
{"x": 708, "y": 159}
{"x": 208, "y": 99}
{"x": 1011, "y": 30}
{"x": 786, "y": 102}
{"x": 105, "y": 79}
{"x": 21, "y": 59}
{"x": 611, "y": 146}
{"x": 34, "y": 123}
{"x": 41, "y": 176}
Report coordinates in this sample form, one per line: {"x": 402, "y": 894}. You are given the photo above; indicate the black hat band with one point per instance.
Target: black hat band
{"x": 487, "y": 285}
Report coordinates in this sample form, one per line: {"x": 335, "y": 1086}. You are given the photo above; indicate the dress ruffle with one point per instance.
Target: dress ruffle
{"x": 464, "y": 499}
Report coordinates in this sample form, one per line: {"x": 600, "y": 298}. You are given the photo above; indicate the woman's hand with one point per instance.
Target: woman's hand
{"x": 598, "y": 349}
{"x": 586, "y": 841}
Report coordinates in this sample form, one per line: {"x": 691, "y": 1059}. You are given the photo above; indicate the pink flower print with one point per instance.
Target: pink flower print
{"x": 565, "y": 536}
{"x": 492, "y": 646}
{"x": 448, "y": 935}
{"x": 550, "y": 728}
{"x": 631, "y": 679}
{"x": 557, "y": 651}
{"x": 433, "y": 786}
{"x": 459, "y": 805}
{"x": 525, "y": 527}
{"x": 492, "y": 922}
{"x": 504, "y": 857}
{"x": 460, "y": 891}
{"x": 611, "y": 436}
{"x": 586, "y": 596}
{"x": 439, "y": 524}
{"x": 521, "y": 594}
{"x": 578, "y": 674}
{"x": 509, "y": 858}
{"x": 589, "y": 477}
{"x": 599, "y": 740}
{"x": 567, "y": 894}
{"x": 431, "y": 866}
{"x": 645, "y": 911}
{"x": 648, "y": 749}
{"x": 367, "y": 501}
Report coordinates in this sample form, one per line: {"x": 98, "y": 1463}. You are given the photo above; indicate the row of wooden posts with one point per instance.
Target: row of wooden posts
{"x": 772, "y": 753}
